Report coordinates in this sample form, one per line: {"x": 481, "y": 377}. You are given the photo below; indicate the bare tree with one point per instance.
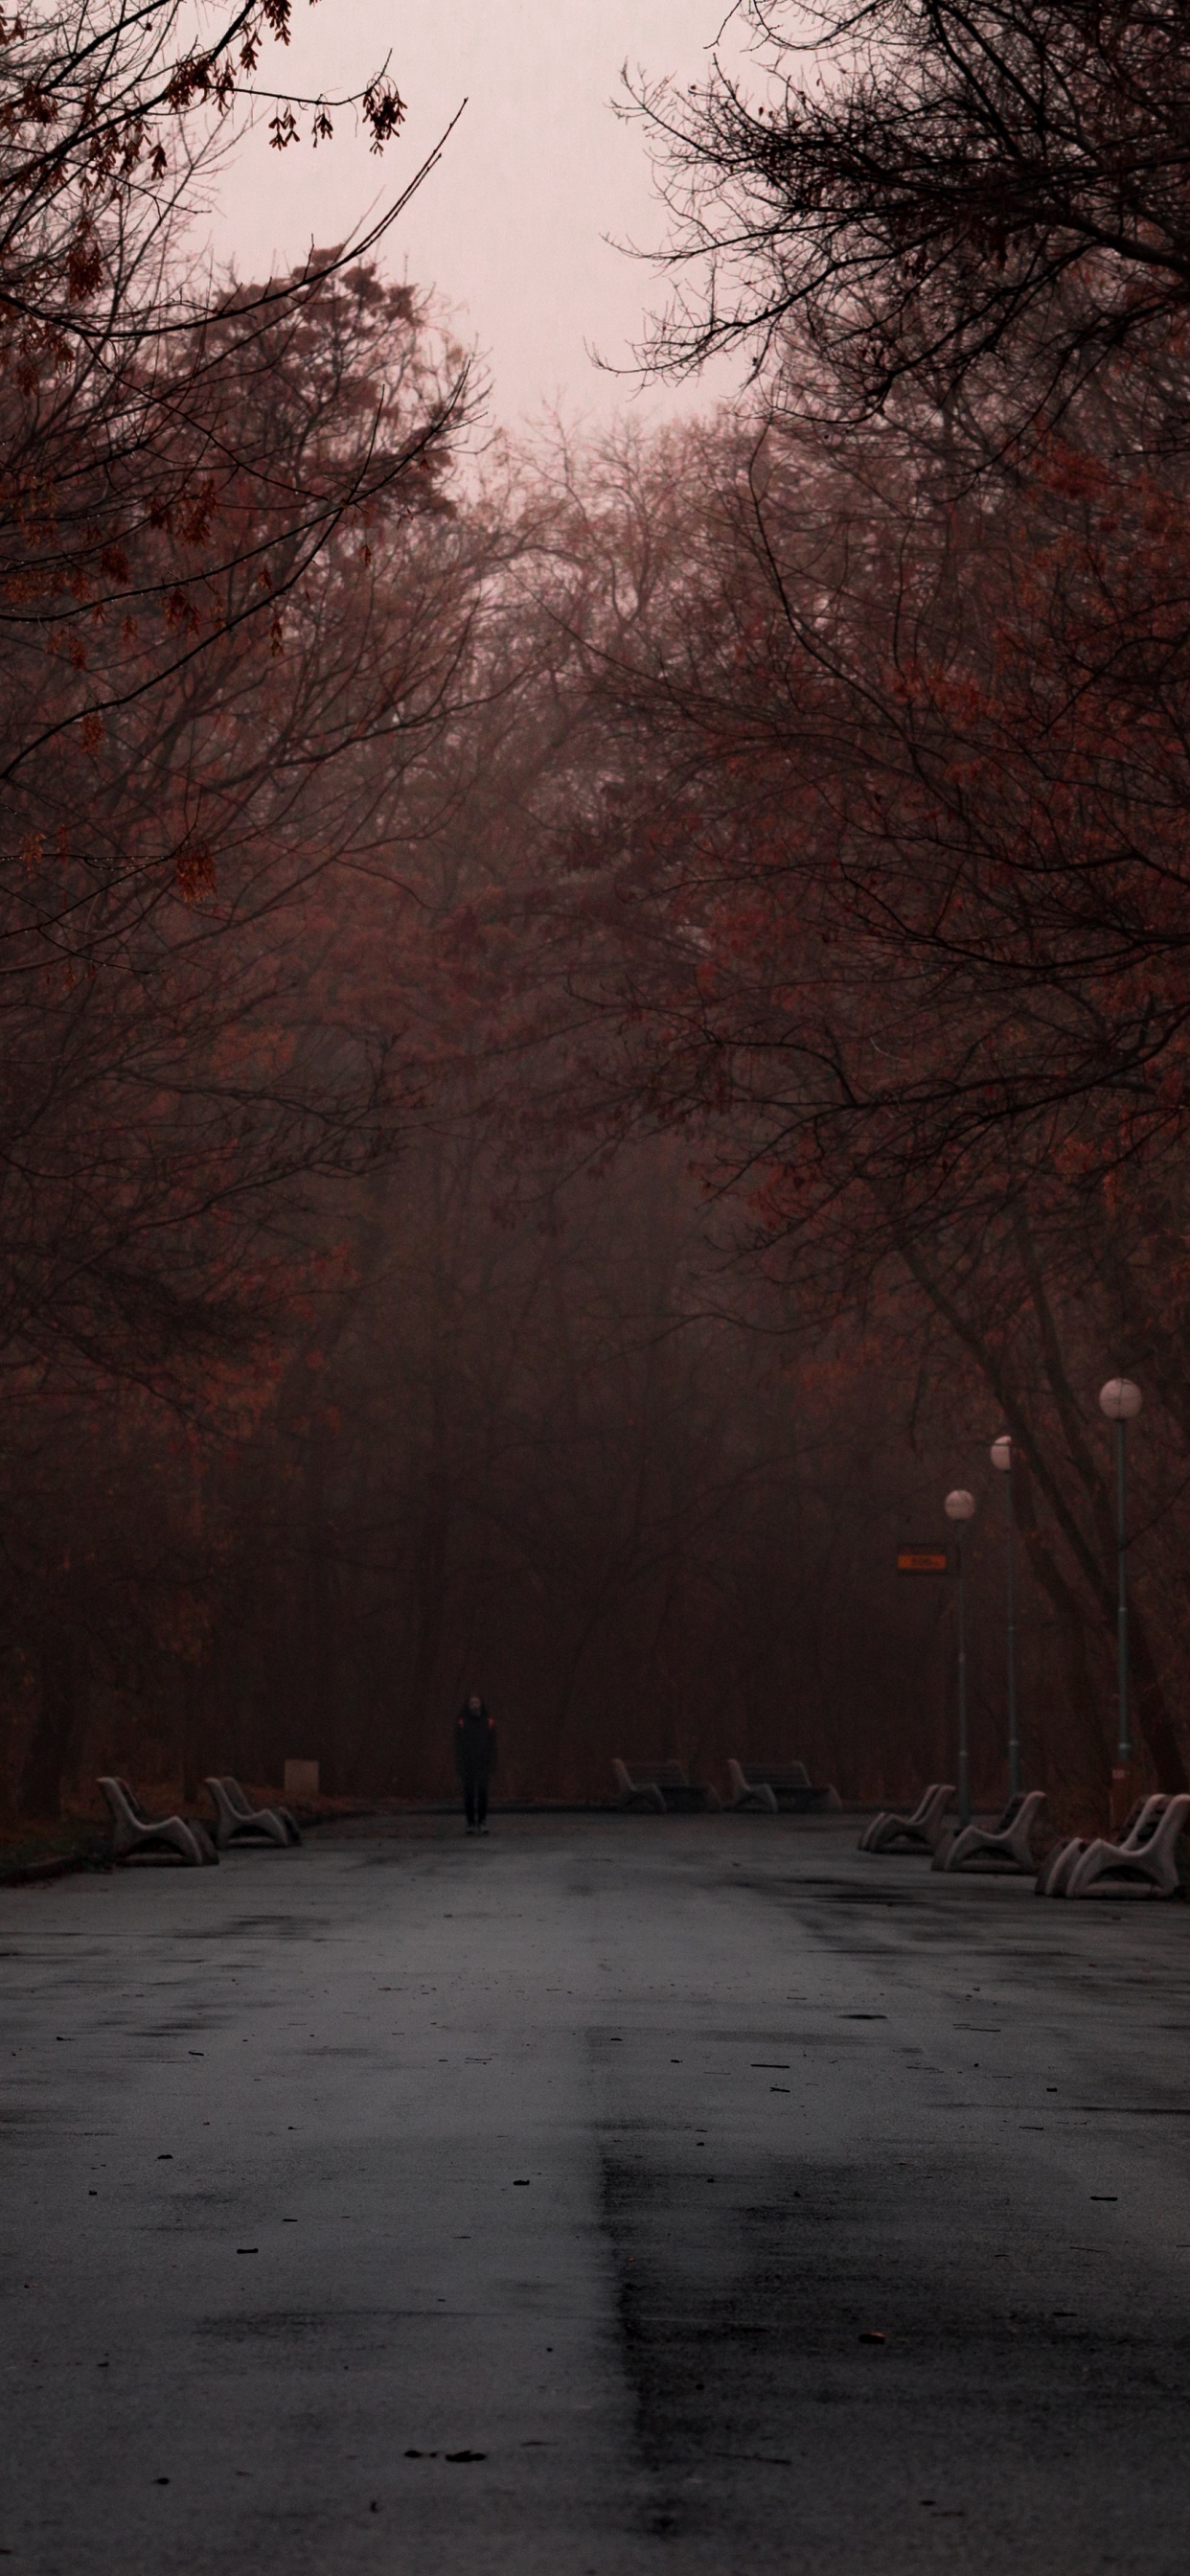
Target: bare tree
{"x": 939, "y": 190}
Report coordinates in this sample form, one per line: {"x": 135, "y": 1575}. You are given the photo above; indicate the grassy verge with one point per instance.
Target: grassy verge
{"x": 70, "y": 1838}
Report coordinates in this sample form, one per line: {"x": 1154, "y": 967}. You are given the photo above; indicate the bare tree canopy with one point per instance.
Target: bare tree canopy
{"x": 933, "y": 187}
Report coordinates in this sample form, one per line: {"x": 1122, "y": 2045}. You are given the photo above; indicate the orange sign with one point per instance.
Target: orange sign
{"x": 922, "y": 1560}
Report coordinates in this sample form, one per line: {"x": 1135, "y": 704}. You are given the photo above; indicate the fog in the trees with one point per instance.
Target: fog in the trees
{"x": 587, "y": 1019}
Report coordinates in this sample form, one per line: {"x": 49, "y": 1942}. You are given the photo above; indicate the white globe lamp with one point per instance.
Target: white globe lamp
{"x": 1120, "y": 1399}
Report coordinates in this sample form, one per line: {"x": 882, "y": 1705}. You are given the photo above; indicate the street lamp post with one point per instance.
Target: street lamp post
{"x": 1002, "y": 1461}
{"x": 959, "y": 1507}
{"x": 1121, "y": 1401}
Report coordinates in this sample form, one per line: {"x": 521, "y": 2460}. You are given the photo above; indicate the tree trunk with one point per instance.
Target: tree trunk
{"x": 195, "y": 1750}
{"x": 40, "y": 1792}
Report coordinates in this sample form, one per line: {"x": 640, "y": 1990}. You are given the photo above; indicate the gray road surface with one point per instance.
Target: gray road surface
{"x": 455, "y": 2207}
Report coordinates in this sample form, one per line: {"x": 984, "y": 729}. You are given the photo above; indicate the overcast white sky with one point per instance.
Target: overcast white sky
{"x": 510, "y": 228}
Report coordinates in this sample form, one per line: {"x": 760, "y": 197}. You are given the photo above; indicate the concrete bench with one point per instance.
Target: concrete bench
{"x": 237, "y": 1820}
{"x": 1151, "y": 1863}
{"x": 635, "y": 1790}
{"x": 773, "y": 1785}
{"x": 920, "y": 1832}
{"x": 1004, "y": 1846}
{"x": 135, "y": 1831}
{"x": 1140, "y": 1824}
{"x": 663, "y": 1787}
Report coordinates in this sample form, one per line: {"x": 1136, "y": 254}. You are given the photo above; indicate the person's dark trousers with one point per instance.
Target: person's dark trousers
{"x": 475, "y": 1797}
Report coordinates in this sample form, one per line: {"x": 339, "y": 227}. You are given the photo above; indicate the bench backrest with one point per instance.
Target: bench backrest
{"x": 1148, "y": 1818}
{"x": 135, "y": 1807}
{"x": 126, "y": 1806}
{"x": 116, "y": 1793}
{"x": 649, "y": 1775}
{"x": 121, "y": 1794}
{"x": 926, "y": 1803}
{"x": 776, "y": 1775}
{"x": 1173, "y": 1822}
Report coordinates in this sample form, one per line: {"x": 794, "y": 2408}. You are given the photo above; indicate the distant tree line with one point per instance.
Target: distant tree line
{"x": 580, "y": 1037}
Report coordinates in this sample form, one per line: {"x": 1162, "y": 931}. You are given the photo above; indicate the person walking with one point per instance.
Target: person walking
{"x": 475, "y": 1760}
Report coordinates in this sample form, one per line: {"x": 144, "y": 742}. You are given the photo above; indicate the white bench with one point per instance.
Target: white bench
{"x": 772, "y": 1785}
{"x": 747, "y": 1791}
{"x": 920, "y": 1832}
{"x": 135, "y": 1831}
{"x": 236, "y": 1819}
{"x": 1140, "y": 1824}
{"x": 1006, "y": 1844}
{"x": 635, "y": 1790}
{"x": 664, "y": 1788}
{"x": 1153, "y": 1863}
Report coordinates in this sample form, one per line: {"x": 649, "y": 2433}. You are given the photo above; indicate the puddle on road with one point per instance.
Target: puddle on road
{"x": 316, "y": 2338}
{"x": 747, "y": 2319}
{"x": 286, "y": 1927}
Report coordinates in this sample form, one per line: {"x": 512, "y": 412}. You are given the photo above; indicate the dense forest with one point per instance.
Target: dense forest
{"x": 585, "y": 1025}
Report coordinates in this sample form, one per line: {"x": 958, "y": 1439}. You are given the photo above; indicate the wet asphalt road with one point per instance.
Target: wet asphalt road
{"x": 522, "y": 2205}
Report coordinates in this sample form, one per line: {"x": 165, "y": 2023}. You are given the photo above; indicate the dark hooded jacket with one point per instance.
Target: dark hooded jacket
{"x": 475, "y": 1743}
